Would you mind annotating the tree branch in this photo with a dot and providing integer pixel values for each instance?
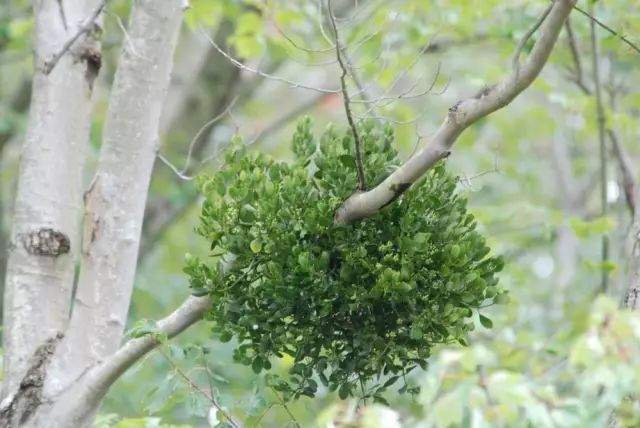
(362, 185)
(74, 405)
(187, 314)
(603, 149)
(608, 29)
(84, 28)
(460, 116)
(527, 36)
(578, 77)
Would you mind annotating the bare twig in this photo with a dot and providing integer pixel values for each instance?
(601, 24)
(85, 27)
(399, 77)
(63, 15)
(297, 45)
(125, 33)
(527, 36)
(603, 150)
(467, 180)
(182, 174)
(197, 388)
(578, 76)
(286, 408)
(259, 72)
(362, 185)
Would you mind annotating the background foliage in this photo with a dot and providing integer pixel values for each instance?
(558, 354)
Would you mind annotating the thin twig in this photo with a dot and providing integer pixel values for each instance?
(578, 76)
(263, 414)
(286, 408)
(259, 72)
(197, 388)
(204, 127)
(629, 184)
(295, 44)
(527, 36)
(85, 27)
(173, 168)
(362, 185)
(208, 372)
(603, 150)
(125, 33)
(63, 15)
(467, 180)
(399, 77)
(595, 20)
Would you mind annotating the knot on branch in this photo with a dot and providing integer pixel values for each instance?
(398, 190)
(93, 57)
(46, 242)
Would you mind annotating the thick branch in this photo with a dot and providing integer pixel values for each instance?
(460, 116)
(75, 405)
(190, 312)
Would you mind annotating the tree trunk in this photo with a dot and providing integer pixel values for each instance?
(44, 241)
(115, 201)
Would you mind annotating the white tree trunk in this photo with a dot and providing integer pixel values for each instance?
(115, 201)
(45, 237)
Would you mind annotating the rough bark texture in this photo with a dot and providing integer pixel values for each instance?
(114, 203)
(45, 237)
(19, 406)
(76, 406)
(460, 116)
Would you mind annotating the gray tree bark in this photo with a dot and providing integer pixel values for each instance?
(45, 242)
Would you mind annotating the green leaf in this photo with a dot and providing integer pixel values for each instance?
(256, 246)
(486, 322)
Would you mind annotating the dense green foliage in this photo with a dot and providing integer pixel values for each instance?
(358, 305)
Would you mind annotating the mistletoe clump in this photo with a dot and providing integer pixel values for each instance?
(355, 306)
